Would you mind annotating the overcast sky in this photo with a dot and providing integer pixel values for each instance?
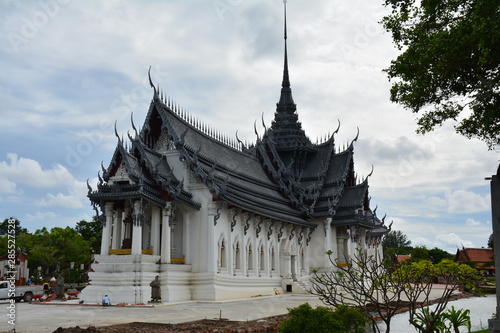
(70, 69)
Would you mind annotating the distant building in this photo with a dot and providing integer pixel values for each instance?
(482, 259)
(218, 219)
(20, 269)
(402, 257)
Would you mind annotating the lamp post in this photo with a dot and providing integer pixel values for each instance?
(494, 324)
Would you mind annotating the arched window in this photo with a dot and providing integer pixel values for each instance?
(237, 256)
(249, 257)
(261, 258)
(222, 254)
(302, 259)
(273, 258)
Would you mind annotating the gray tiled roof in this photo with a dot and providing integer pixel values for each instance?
(283, 176)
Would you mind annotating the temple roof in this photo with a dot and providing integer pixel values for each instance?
(283, 176)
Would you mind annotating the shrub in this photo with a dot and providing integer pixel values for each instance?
(305, 319)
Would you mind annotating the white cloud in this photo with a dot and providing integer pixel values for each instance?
(470, 221)
(7, 186)
(436, 202)
(61, 200)
(42, 216)
(27, 171)
(74, 199)
(462, 201)
(445, 240)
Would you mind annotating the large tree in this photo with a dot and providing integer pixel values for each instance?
(449, 68)
(54, 249)
(91, 233)
(396, 239)
(4, 227)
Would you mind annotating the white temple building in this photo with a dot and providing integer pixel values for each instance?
(216, 219)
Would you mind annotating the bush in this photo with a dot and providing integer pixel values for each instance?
(305, 319)
(353, 319)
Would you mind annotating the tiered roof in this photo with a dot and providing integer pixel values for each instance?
(283, 176)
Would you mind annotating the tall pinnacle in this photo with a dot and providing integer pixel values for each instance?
(286, 100)
(286, 129)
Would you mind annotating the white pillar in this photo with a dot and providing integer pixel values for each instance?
(165, 234)
(186, 240)
(146, 234)
(229, 244)
(137, 228)
(155, 229)
(327, 242)
(212, 247)
(106, 230)
(117, 230)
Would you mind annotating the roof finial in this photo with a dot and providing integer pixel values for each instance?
(286, 79)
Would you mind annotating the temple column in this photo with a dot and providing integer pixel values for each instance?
(117, 230)
(186, 245)
(138, 215)
(229, 246)
(106, 230)
(146, 234)
(334, 242)
(155, 230)
(327, 243)
(165, 234)
(212, 242)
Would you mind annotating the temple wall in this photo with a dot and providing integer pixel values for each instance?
(213, 253)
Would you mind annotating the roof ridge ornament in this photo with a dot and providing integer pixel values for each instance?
(116, 132)
(133, 125)
(155, 96)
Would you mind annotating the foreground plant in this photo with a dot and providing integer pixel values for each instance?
(305, 319)
(380, 289)
(420, 278)
(458, 318)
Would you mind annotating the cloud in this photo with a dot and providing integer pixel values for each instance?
(28, 171)
(462, 201)
(472, 222)
(74, 199)
(436, 202)
(41, 216)
(444, 240)
(7, 186)
(62, 200)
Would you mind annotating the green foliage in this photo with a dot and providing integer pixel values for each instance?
(449, 68)
(366, 282)
(4, 227)
(419, 253)
(429, 321)
(305, 319)
(395, 239)
(74, 275)
(50, 249)
(451, 320)
(353, 319)
(437, 255)
(458, 318)
(419, 278)
(91, 233)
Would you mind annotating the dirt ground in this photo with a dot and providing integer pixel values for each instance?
(269, 324)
